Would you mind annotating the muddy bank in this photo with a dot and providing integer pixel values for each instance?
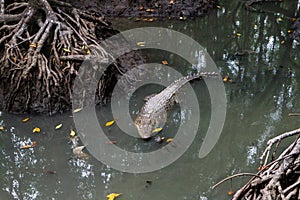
(148, 9)
(41, 50)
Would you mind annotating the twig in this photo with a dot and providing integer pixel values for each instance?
(275, 140)
(291, 186)
(294, 114)
(2, 8)
(233, 176)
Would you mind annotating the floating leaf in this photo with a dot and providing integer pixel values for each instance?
(112, 196)
(110, 123)
(171, 2)
(77, 110)
(164, 62)
(225, 79)
(58, 126)
(67, 50)
(282, 42)
(156, 130)
(72, 133)
(289, 31)
(111, 142)
(25, 119)
(1, 128)
(169, 140)
(294, 19)
(230, 192)
(219, 7)
(239, 34)
(255, 27)
(29, 145)
(181, 18)
(141, 44)
(25, 147)
(279, 19)
(34, 144)
(36, 130)
(78, 150)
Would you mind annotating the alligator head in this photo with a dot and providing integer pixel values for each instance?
(145, 125)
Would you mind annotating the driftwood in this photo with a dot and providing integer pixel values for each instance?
(278, 178)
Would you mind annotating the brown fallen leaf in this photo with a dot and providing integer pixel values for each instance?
(111, 142)
(164, 62)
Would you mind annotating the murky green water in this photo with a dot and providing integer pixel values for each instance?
(265, 91)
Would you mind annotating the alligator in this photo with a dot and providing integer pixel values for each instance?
(156, 105)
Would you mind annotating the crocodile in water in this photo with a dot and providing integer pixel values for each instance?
(156, 105)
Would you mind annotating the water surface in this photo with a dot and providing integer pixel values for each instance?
(252, 48)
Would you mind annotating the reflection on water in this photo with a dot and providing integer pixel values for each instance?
(252, 48)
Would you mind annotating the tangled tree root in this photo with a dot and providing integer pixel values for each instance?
(42, 45)
(278, 179)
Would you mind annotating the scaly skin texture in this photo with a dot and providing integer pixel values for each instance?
(154, 110)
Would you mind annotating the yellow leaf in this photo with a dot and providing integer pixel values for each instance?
(289, 31)
(32, 45)
(1, 128)
(36, 130)
(112, 196)
(282, 42)
(88, 52)
(239, 34)
(72, 133)
(25, 119)
(230, 192)
(141, 44)
(58, 126)
(25, 147)
(110, 123)
(225, 79)
(77, 110)
(181, 18)
(67, 50)
(84, 47)
(169, 140)
(279, 19)
(164, 62)
(156, 130)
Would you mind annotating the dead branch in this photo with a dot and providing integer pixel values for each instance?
(233, 176)
(278, 179)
